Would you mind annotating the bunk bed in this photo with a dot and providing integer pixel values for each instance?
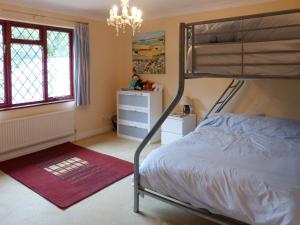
(262, 46)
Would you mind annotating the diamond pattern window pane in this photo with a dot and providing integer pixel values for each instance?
(58, 49)
(26, 73)
(25, 33)
(2, 97)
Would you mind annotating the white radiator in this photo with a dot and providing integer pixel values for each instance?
(29, 131)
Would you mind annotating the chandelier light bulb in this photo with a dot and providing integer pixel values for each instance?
(134, 11)
(115, 10)
(139, 14)
(125, 11)
(134, 19)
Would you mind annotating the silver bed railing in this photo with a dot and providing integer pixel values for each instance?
(184, 74)
(158, 124)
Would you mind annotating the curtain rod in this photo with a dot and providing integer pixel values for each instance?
(42, 16)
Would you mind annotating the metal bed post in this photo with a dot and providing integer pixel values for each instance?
(161, 120)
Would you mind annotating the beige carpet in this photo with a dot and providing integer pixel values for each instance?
(111, 206)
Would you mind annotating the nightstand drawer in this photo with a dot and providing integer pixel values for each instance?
(167, 137)
(180, 125)
(173, 125)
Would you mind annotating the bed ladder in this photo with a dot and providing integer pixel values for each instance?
(227, 95)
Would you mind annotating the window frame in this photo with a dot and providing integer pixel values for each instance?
(8, 41)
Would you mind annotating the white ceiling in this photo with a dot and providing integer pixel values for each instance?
(98, 9)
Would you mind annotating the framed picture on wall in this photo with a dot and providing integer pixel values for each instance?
(148, 53)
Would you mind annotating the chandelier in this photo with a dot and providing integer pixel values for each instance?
(121, 21)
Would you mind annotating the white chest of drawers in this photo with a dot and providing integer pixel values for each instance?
(176, 127)
(137, 112)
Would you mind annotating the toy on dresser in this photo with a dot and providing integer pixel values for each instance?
(157, 87)
(138, 84)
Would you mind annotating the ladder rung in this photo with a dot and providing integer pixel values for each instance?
(227, 95)
(235, 86)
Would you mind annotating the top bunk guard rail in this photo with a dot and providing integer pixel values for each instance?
(184, 46)
(258, 40)
(252, 16)
(249, 53)
(240, 42)
(253, 29)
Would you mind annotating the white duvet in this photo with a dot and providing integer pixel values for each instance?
(243, 167)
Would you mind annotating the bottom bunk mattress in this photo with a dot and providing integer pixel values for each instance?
(243, 167)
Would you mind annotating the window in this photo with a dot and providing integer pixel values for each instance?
(2, 99)
(36, 65)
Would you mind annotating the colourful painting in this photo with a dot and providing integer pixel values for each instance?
(148, 53)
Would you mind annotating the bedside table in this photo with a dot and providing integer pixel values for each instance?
(176, 127)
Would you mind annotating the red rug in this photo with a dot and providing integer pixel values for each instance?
(67, 173)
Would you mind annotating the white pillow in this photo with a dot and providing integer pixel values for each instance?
(241, 123)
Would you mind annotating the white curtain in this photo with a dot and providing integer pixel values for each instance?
(82, 64)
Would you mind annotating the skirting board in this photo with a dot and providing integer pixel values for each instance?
(39, 147)
(90, 133)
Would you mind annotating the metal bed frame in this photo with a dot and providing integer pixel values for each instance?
(231, 90)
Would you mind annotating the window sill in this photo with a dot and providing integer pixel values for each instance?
(35, 105)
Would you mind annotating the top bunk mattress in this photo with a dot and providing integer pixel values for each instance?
(279, 58)
(243, 167)
(268, 28)
(266, 46)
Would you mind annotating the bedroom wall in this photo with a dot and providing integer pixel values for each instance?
(92, 118)
(111, 70)
(277, 98)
